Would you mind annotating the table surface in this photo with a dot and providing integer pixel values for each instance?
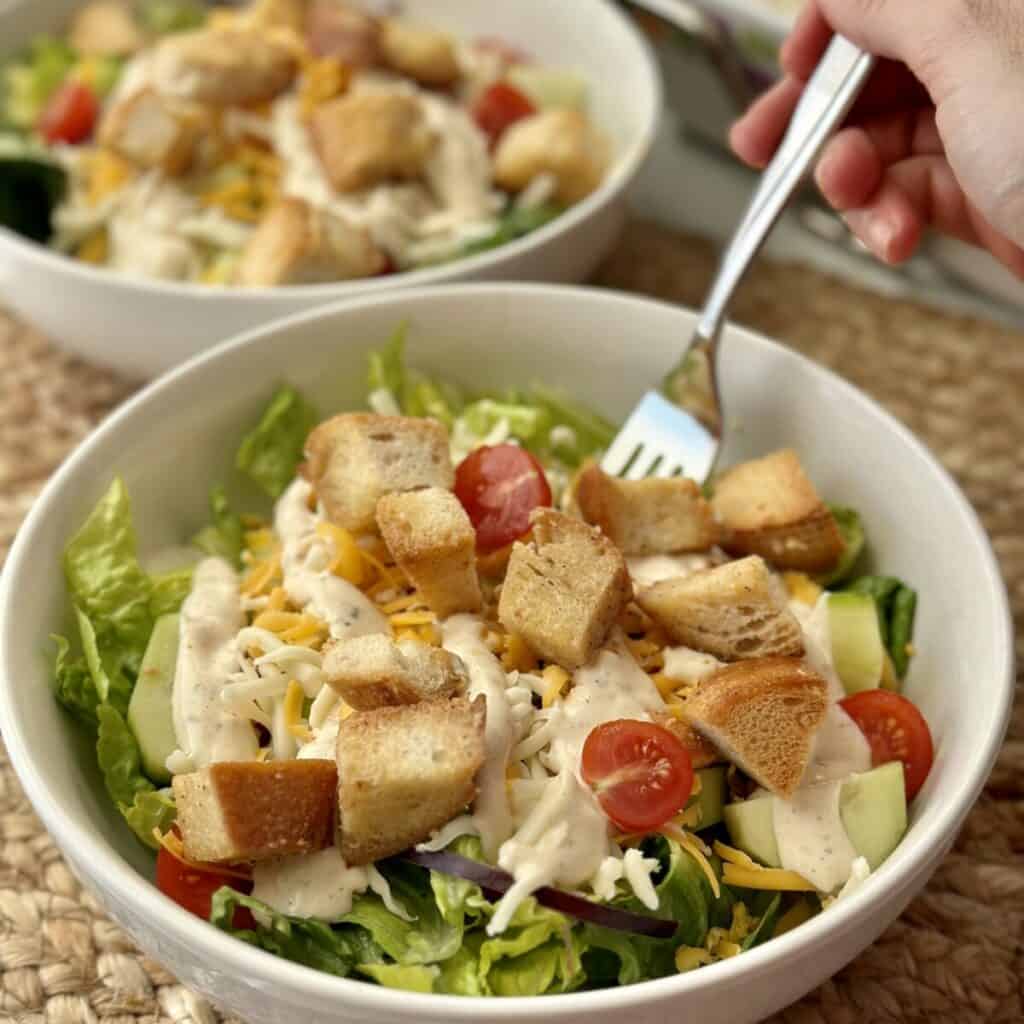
(957, 953)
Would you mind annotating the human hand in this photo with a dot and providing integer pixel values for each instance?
(937, 137)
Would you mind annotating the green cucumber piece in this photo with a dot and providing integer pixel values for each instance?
(150, 715)
(711, 798)
(872, 805)
(548, 88)
(858, 652)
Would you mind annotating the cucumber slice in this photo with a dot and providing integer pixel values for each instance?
(857, 649)
(149, 712)
(548, 87)
(711, 798)
(872, 805)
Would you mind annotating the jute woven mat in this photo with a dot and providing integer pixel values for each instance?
(956, 955)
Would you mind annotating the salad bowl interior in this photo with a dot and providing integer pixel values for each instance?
(163, 322)
(178, 437)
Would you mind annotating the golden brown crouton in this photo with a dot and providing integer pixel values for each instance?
(356, 458)
(105, 28)
(769, 507)
(421, 53)
(298, 244)
(373, 671)
(403, 772)
(565, 589)
(559, 142)
(646, 517)
(734, 611)
(336, 29)
(252, 810)
(152, 131)
(701, 750)
(431, 538)
(369, 137)
(227, 66)
(762, 715)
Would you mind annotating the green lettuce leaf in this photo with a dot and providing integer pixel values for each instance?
(305, 941)
(765, 906)
(75, 689)
(852, 530)
(412, 978)
(120, 761)
(105, 578)
(107, 668)
(514, 223)
(271, 452)
(460, 974)
(149, 810)
(386, 365)
(169, 592)
(225, 535)
(528, 423)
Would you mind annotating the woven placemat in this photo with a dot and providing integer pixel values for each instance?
(956, 955)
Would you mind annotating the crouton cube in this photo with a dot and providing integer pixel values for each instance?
(701, 750)
(421, 53)
(356, 458)
(226, 66)
(403, 772)
(374, 671)
(563, 590)
(152, 132)
(365, 138)
(252, 810)
(298, 244)
(734, 611)
(559, 142)
(338, 30)
(769, 507)
(646, 517)
(431, 538)
(762, 715)
(105, 28)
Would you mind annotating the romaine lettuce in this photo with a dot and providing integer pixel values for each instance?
(225, 535)
(74, 686)
(271, 452)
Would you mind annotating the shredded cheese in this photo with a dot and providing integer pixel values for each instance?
(556, 678)
(323, 79)
(95, 249)
(262, 575)
(793, 918)
(516, 655)
(689, 958)
(107, 173)
(401, 604)
(733, 856)
(348, 562)
(775, 879)
(696, 849)
(801, 587)
(293, 699)
(400, 619)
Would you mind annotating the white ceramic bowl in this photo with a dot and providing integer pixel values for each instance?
(176, 438)
(143, 327)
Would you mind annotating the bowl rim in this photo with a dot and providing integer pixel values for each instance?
(295, 981)
(621, 174)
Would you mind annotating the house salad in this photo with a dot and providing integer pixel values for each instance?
(284, 142)
(460, 713)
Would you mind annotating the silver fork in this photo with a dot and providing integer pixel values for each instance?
(678, 430)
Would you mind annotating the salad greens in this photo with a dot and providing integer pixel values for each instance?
(272, 451)
(896, 604)
(224, 536)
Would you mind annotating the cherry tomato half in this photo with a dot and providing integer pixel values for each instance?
(500, 106)
(193, 888)
(895, 731)
(70, 115)
(641, 773)
(499, 487)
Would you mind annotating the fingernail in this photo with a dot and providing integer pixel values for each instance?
(881, 235)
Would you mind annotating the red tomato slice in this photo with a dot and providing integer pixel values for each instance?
(896, 731)
(193, 888)
(498, 107)
(641, 773)
(499, 487)
(70, 115)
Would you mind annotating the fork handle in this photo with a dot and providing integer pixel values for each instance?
(825, 102)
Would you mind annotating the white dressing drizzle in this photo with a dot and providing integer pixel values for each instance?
(647, 570)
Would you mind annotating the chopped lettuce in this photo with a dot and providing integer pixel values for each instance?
(169, 592)
(514, 223)
(164, 16)
(765, 907)
(412, 978)
(271, 452)
(29, 82)
(151, 809)
(852, 530)
(225, 536)
(896, 604)
(74, 686)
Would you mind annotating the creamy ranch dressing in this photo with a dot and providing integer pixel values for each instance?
(211, 616)
(646, 570)
(688, 665)
(305, 556)
(463, 635)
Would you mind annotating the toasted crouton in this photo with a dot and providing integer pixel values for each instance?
(366, 138)
(769, 507)
(701, 750)
(251, 810)
(105, 28)
(374, 671)
(421, 53)
(298, 244)
(559, 142)
(336, 29)
(403, 772)
(356, 458)
(762, 715)
(646, 517)
(563, 590)
(434, 544)
(226, 66)
(152, 132)
(734, 611)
